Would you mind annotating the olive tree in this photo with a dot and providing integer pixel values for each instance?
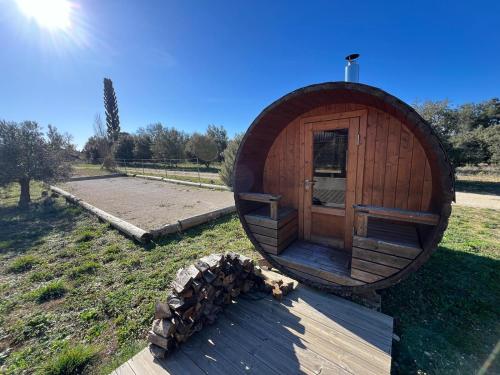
(27, 155)
(219, 135)
(203, 147)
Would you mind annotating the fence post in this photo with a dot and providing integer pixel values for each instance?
(166, 175)
(125, 163)
(142, 166)
(198, 169)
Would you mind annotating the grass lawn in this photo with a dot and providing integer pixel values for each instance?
(448, 313)
(83, 169)
(76, 294)
(66, 279)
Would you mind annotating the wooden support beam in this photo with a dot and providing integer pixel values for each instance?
(361, 224)
(274, 210)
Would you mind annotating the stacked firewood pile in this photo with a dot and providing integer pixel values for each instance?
(199, 292)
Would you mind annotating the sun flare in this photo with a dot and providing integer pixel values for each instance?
(51, 14)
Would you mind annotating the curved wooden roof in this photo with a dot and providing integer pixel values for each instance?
(252, 154)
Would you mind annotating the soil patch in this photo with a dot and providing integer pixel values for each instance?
(478, 200)
(148, 204)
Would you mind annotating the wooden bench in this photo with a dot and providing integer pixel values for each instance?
(274, 228)
(385, 240)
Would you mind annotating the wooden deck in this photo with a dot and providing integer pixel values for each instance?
(309, 332)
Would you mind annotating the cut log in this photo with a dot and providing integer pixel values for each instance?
(160, 341)
(163, 327)
(196, 285)
(157, 351)
(201, 265)
(218, 280)
(287, 287)
(188, 293)
(209, 276)
(247, 286)
(184, 278)
(277, 293)
(265, 263)
(213, 260)
(162, 311)
(178, 303)
(229, 279)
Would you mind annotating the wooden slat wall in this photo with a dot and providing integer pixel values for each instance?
(396, 170)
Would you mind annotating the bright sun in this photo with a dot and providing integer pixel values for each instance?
(52, 14)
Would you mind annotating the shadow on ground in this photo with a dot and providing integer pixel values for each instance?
(448, 315)
(478, 187)
(20, 229)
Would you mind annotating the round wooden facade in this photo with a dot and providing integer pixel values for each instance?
(343, 186)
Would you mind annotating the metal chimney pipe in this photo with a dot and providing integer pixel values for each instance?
(351, 73)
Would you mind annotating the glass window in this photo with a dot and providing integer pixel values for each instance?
(329, 168)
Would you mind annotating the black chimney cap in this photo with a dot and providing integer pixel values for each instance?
(352, 57)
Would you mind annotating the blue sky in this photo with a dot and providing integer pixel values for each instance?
(192, 63)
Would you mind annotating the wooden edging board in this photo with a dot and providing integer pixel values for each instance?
(191, 222)
(180, 182)
(140, 234)
(83, 178)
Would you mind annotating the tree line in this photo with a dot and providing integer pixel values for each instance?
(155, 141)
(470, 132)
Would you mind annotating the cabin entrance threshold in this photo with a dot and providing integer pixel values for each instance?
(323, 264)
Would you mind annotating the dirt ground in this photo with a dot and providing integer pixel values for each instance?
(478, 200)
(148, 204)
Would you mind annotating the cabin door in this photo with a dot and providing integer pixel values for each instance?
(331, 172)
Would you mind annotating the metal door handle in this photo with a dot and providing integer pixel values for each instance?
(308, 184)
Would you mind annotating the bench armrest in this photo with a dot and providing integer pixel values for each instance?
(271, 199)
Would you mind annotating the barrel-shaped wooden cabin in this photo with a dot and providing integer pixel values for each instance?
(343, 186)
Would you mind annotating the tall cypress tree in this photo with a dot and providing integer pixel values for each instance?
(111, 107)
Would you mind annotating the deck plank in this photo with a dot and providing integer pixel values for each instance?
(216, 353)
(144, 363)
(286, 341)
(325, 342)
(124, 369)
(308, 332)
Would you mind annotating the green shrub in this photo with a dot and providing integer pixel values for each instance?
(226, 170)
(85, 268)
(23, 263)
(72, 360)
(50, 291)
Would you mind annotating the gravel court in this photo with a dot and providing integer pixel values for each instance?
(148, 204)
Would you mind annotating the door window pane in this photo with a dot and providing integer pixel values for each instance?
(329, 167)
